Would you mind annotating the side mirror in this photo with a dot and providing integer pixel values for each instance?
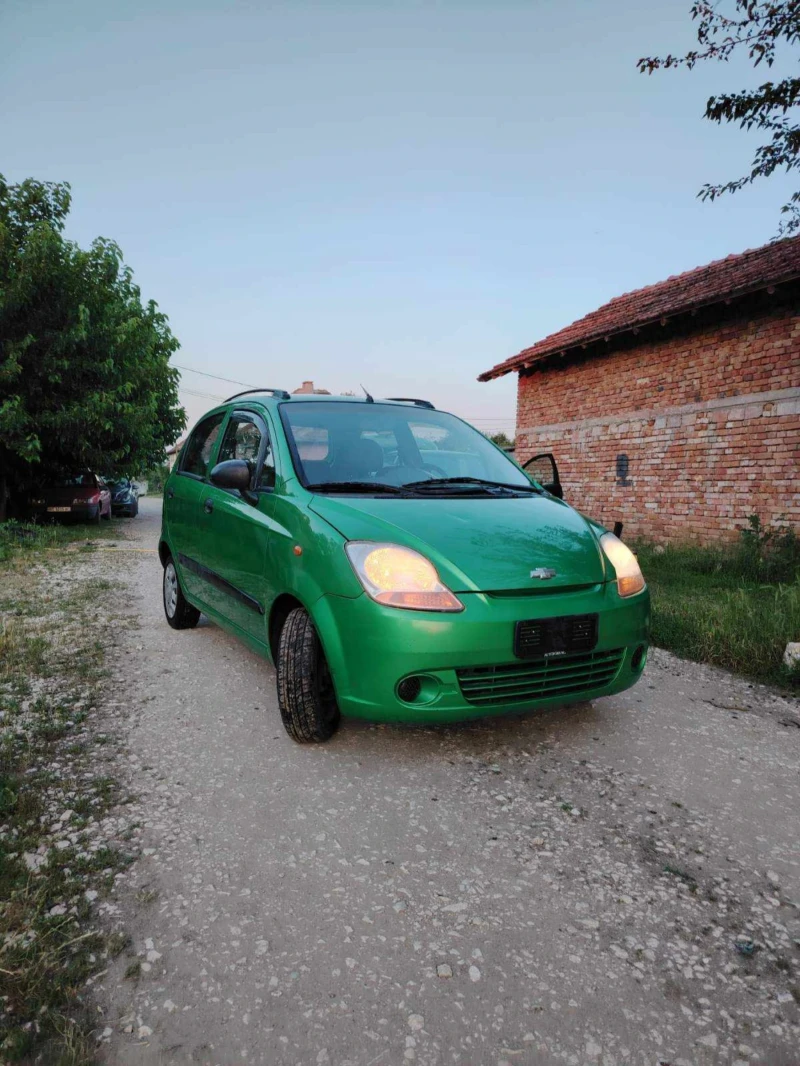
(232, 474)
(542, 468)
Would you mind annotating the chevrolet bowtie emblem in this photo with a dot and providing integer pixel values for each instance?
(544, 573)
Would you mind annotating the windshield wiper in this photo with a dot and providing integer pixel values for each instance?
(355, 486)
(443, 482)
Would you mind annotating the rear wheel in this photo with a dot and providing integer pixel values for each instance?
(306, 696)
(180, 613)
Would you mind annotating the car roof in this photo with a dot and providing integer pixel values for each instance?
(276, 397)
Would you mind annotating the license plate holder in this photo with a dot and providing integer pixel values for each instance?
(59, 508)
(543, 638)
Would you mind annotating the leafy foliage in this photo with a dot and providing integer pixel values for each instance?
(85, 380)
(501, 439)
(156, 478)
(756, 27)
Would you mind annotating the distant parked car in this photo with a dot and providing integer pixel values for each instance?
(83, 496)
(124, 497)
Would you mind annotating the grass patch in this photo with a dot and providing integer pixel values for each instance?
(25, 539)
(51, 868)
(735, 606)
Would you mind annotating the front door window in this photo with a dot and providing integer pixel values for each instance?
(245, 439)
(197, 453)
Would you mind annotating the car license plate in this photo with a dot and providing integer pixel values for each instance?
(59, 508)
(540, 638)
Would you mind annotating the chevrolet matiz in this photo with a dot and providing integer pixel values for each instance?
(394, 564)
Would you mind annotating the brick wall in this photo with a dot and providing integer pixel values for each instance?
(707, 414)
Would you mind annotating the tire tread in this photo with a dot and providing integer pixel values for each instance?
(299, 652)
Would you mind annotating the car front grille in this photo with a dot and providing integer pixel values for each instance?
(543, 679)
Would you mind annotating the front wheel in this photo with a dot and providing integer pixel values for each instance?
(180, 613)
(306, 696)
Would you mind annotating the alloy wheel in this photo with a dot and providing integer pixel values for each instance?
(170, 589)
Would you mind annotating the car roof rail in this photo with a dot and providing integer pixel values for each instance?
(410, 399)
(279, 394)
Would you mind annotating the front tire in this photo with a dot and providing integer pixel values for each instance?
(306, 695)
(179, 612)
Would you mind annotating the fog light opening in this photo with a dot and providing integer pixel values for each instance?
(419, 689)
(409, 689)
(639, 658)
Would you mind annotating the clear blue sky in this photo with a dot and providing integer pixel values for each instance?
(395, 193)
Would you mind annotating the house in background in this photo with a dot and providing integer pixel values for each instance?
(676, 408)
(174, 450)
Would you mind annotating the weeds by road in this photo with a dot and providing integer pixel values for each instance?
(29, 540)
(734, 606)
(58, 860)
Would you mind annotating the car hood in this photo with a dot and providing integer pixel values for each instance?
(479, 544)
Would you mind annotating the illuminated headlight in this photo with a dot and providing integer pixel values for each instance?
(399, 577)
(629, 577)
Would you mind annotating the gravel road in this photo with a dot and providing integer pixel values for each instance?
(609, 883)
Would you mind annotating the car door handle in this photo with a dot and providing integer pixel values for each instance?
(208, 506)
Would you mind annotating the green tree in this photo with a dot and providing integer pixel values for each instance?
(501, 439)
(85, 380)
(757, 27)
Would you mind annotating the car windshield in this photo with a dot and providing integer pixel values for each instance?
(357, 445)
(87, 480)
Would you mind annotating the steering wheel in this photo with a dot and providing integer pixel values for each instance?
(434, 469)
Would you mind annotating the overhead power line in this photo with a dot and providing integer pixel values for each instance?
(205, 374)
(194, 392)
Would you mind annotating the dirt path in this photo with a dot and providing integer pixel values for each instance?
(611, 883)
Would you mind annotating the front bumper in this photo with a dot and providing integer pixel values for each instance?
(371, 648)
(78, 512)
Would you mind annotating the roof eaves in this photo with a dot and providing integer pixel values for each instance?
(528, 357)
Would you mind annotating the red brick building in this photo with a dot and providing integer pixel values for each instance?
(675, 408)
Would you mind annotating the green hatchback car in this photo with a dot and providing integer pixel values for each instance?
(394, 564)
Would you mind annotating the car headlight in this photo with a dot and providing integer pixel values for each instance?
(630, 579)
(399, 577)
(80, 499)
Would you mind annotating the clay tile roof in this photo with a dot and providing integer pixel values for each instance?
(726, 278)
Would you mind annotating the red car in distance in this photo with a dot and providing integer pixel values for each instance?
(85, 497)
